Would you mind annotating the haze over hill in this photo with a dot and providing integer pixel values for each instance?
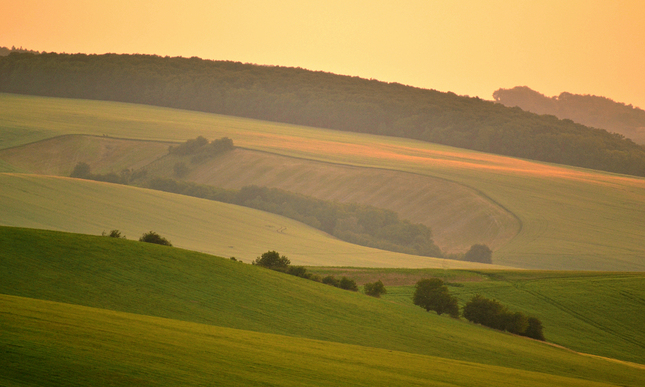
(318, 99)
(590, 110)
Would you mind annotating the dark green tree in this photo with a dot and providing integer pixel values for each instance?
(272, 260)
(432, 294)
(479, 253)
(331, 280)
(113, 234)
(153, 237)
(375, 289)
(484, 311)
(348, 284)
(534, 329)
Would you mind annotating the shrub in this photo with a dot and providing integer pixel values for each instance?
(273, 260)
(479, 253)
(153, 237)
(432, 294)
(375, 289)
(331, 280)
(348, 284)
(114, 234)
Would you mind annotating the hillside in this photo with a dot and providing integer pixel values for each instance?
(151, 280)
(317, 99)
(591, 312)
(589, 110)
(458, 215)
(90, 207)
(571, 218)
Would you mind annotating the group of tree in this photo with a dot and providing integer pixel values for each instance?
(491, 313)
(4, 51)
(590, 110)
(351, 222)
(433, 294)
(201, 149)
(274, 261)
(480, 253)
(319, 99)
(148, 237)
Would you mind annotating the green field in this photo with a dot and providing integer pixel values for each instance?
(67, 344)
(571, 218)
(73, 345)
(592, 312)
(91, 207)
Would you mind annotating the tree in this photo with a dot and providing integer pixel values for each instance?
(153, 237)
(180, 169)
(432, 294)
(534, 329)
(481, 310)
(331, 280)
(81, 170)
(348, 284)
(114, 234)
(375, 289)
(273, 260)
(479, 253)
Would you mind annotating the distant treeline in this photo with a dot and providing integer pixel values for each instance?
(355, 223)
(4, 51)
(590, 110)
(319, 99)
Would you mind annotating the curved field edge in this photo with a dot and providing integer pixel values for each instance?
(572, 218)
(49, 343)
(459, 216)
(154, 280)
(90, 207)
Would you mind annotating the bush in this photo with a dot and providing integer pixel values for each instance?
(273, 260)
(81, 170)
(432, 294)
(492, 314)
(331, 280)
(153, 237)
(114, 234)
(348, 284)
(479, 253)
(375, 289)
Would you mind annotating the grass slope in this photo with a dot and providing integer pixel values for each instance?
(572, 218)
(91, 207)
(599, 312)
(459, 216)
(53, 344)
(159, 281)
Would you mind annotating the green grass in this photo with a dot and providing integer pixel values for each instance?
(47, 343)
(91, 207)
(600, 313)
(572, 218)
(152, 280)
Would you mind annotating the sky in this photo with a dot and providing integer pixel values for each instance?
(469, 47)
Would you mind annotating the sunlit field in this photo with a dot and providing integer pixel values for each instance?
(125, 276)
(91, 207)
(571, 218)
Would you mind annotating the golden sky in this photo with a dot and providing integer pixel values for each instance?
(470, 47)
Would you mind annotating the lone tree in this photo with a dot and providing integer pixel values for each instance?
(273, 260)
(375, 289)
(479, 253)
(432, 294)
(348, 284)
(153, 237)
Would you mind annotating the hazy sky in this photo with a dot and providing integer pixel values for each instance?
(470, 47)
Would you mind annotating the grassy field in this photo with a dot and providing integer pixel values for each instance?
(91, 207)
(459, 216)
(70, 345)
(571, 218)
(150, 280)
(601, 313)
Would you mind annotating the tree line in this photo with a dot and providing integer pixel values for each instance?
(433, 294)
(319, 99)
(590, 110)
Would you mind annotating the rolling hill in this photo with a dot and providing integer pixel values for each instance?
(91, 207)
(122, 277)
(571, 218)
